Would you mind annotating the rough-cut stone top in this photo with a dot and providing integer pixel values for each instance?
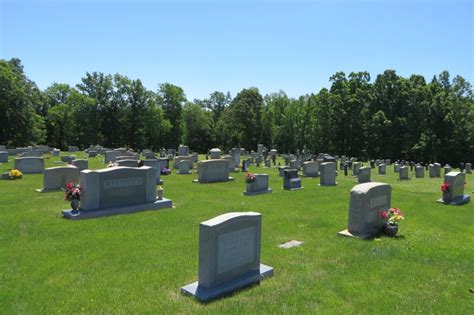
(215, 150)
(228, 216)
(364, 188)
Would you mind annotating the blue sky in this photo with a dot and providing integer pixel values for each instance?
(206, 46)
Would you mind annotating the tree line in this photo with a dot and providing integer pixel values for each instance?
(391, 117)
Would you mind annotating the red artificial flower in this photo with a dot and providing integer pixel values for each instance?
(444, 187)
(384, 215)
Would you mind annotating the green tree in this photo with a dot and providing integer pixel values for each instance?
(172, 98)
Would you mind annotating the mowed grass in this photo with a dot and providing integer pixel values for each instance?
(137, 263)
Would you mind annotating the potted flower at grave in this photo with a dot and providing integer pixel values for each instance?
(15, 174)
(165, 171)
(392, 216)
(73, 194)
(250, 179)
(445, 189)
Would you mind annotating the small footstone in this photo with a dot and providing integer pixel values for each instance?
(290, 244)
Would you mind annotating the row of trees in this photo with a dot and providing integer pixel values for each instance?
(393, 117)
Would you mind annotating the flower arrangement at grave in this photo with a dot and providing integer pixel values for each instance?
(15, 174)
(250, 178)
(445, 187)
(392, 217)
(73, 194)
(165, 171)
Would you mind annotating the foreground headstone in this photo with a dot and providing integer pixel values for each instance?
(454, 194)
(117, 190)
(260, 186)
(212, 171)
(229, 255)
(29, 165)
(366, 203)
(328, 174)
(56, 178)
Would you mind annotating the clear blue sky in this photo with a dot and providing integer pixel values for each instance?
(206, 46)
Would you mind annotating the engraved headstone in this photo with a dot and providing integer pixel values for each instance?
(328, 174)
(259, 186)
(291, 181)
(310, 169)
(366, 202)
(403, 173)
(420, 171)
(117, 190)
(211, 171)
(364, 175)
(229, 255)
(454, 195)
(382, 169)
(184, 167)
(55, 178)
(29, 165)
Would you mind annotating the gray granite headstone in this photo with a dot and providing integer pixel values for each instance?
(127, 162)
(366, 202)
(29, 165)
(117, 190)
(211, 171)
(3, 157)
(291, 181)
(455, 193)
(215, 153)
(55, 178)
(260, 186)
(229, 255)
(364, 175)
(281, 170)
(382, 169)
(420, 171)
(81, 164)
(183, 150)
(310, 169)
(158, 165)
(111, 156)
(355, 168)
(185, 167)
(437, 169)
(468, 168)
(328, 174)
(403, 173)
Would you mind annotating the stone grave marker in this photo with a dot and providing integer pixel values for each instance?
(3, 157)
(260, 186)
(382, 169)
(403, 173)
(366, 202)
(215, 153)
(29, 165)
(80, 164)
(454, 195)
(117, 190)
(212, 171)
(229, 255)
(127, 163)
(364, 175)
(157, 164)
(56, 178)
(420, 171)
(184, 167)
(310, 169)
(328, 174)
(291, 181)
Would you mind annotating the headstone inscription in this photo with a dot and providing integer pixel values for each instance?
(229, 255)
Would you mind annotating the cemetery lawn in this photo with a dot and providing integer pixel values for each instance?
(137, 263)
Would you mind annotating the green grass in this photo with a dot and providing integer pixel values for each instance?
(137, 263)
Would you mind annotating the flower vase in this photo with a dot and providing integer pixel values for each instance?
(75, 205)
(390, 230)
(159, 193)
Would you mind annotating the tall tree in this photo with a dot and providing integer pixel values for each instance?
(172, 98)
